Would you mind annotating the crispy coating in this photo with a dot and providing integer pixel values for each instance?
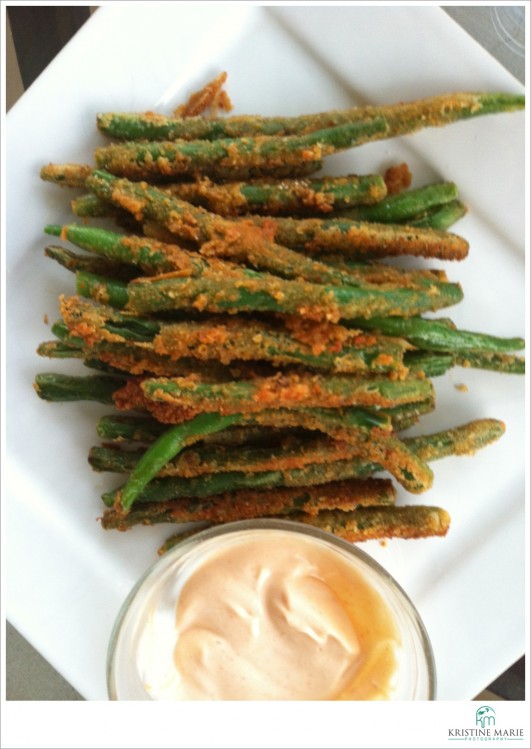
(371, 523)
(66, 175)
(402, 118)
(374, 272)
(246, 504)
(397, 178)
(288, 390)
(211, 96)
(287, 456)
(365, 239)
(280, 197)
(462, 440)
(319, 345)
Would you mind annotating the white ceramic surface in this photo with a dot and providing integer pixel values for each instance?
(66, 578)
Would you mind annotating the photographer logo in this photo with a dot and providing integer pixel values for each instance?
(485, 716)
(486, 729)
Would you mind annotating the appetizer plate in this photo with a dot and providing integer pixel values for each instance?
(66, 577)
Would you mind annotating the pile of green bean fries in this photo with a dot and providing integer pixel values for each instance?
(262, 355)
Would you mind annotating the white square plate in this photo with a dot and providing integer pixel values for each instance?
(66, 577)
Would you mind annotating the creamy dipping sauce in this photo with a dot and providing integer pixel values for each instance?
(266, 615)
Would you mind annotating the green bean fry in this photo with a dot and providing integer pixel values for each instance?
(252, 325)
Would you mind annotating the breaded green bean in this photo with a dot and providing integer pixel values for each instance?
(365, 428)
(404, 205)
(287, 390)
(282, 197)
(295, 452)
(67, 175)
(362, 239)
(402, 118)
(243, 290)
(152, 256)
(355, 526)
(251, 503)
(209, 485)
(371, 523)
(438, 335)
(55, 387)
(232, 158)
(318, 346)
(260, 240)
(440, 217)
(506, 363)
(90, 264)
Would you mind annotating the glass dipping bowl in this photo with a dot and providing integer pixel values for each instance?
(414, 677)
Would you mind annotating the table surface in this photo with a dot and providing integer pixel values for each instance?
(29, 51)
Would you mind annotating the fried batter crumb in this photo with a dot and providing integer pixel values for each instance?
(212, 96)
(397, 178)
(321, 336)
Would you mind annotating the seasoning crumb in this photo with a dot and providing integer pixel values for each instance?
(461, 387)
(212, 96)
(45, 319)
(397, 178)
